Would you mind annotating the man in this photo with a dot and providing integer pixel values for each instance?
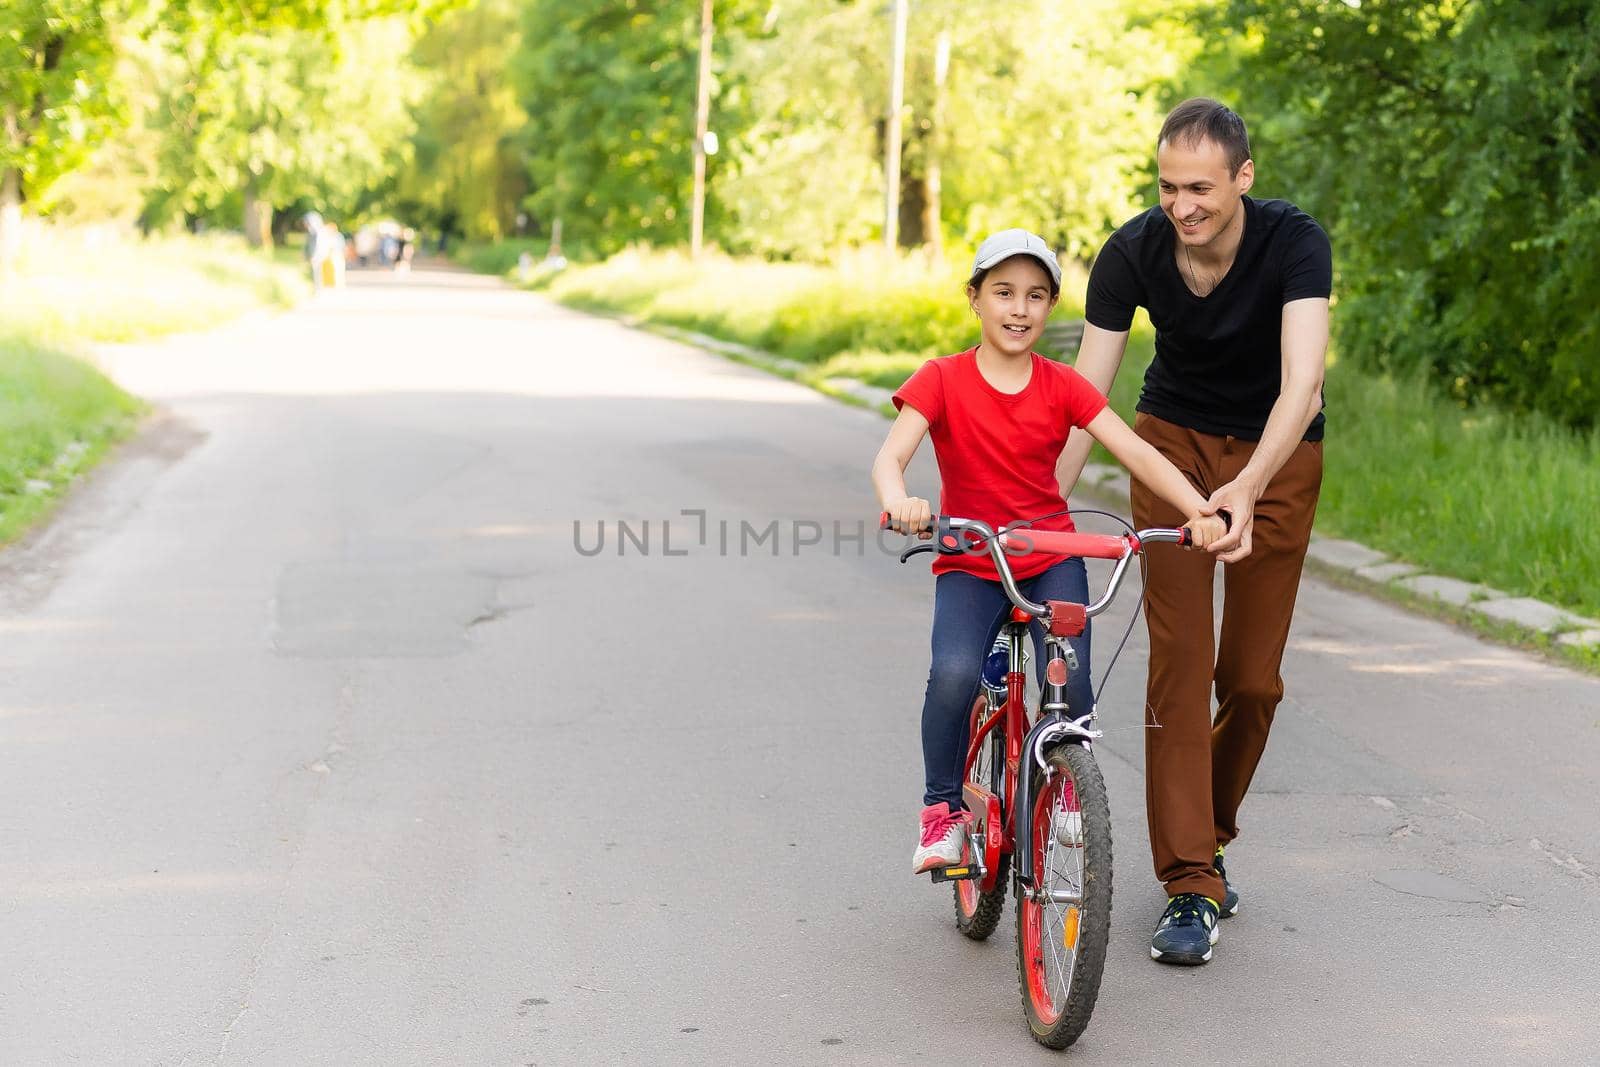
(1238, 292)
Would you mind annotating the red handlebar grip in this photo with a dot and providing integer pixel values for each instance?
(883, 520)
(1187, 540)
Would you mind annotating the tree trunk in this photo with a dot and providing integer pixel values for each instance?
(10, 198)
(257, 220)
(10, 217)
(932, 231)
(912, 210)
(932, 178)
(891, 134)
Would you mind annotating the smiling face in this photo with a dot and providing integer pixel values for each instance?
(1200, 198)
(1012, 301)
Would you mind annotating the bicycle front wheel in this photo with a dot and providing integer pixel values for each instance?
(1064, 922)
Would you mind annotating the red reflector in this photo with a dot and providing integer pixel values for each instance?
(1056, 672)
(1067, 619)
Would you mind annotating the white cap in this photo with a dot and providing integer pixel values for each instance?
(999, 247)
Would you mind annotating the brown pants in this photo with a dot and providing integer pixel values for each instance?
(1197, 772)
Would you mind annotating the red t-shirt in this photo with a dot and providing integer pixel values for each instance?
(997, 451)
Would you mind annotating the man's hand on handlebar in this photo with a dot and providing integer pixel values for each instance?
(910, 514)
(1239, 498)
(1205, 529)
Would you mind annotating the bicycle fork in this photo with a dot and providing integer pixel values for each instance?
(1055, 726)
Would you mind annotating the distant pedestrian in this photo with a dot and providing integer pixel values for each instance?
(333, 246)
(408, 249)
(318, 248)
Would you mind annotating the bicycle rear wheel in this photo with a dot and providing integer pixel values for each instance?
(977, 912)
(1064, 923)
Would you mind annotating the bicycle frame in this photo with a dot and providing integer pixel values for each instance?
(1011, 718)
(1025, 746)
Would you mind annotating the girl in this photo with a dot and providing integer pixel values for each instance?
(1000, 414)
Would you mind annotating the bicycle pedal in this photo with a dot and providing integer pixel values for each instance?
(969, 871)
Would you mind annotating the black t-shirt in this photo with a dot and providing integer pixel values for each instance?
(1219, 361)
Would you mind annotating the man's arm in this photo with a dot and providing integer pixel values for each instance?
(1305, 349)
(1099, 358)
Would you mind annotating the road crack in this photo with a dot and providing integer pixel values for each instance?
(334, 746)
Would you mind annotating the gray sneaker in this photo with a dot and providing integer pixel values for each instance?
(1230, 900)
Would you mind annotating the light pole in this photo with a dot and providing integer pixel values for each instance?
(891, 155)
(702, 116)
(932, 226)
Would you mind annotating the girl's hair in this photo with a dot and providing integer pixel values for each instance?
(976, 281)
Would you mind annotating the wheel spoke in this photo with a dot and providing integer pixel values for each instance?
(1059, 985)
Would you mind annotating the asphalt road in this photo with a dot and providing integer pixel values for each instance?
(323, 741)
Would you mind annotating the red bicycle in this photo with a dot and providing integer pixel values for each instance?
(1057, 851)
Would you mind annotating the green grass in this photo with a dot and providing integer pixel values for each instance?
(498, 257)
(1478, 494)
(89, 286)
(864, 306)
(58, 414)
(1509, 501)
(1475, 494)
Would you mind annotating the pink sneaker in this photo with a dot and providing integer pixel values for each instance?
(944, 838)
(1069, 818)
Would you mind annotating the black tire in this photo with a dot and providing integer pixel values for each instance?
(978, 913)
(1058, 1010)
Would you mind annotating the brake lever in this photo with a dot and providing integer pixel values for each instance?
(914, 549)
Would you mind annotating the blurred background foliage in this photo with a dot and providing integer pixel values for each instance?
(1451, 147)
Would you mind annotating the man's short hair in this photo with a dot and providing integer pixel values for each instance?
(1203, 119)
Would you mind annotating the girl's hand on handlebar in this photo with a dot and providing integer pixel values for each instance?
(911, 514)
(1205, 529)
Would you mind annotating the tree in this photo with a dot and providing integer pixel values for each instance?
(273, 118)
(468, 161)
(804, 174)
(1047, 120)
(609, 90)
(54, 100)
(1053, 111)
(1453, 148)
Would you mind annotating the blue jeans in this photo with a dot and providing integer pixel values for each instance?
(967, 614)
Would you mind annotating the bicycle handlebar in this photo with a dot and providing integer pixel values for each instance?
(953, 536)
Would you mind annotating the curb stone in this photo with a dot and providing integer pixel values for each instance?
(1580, 639)
(1450, 590)
(1376, 568)
(1345, 555)
(787, 367)
(1387, 572)
(1367, 565)
(1525, 611)
(1105, 480)
(871, 395)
